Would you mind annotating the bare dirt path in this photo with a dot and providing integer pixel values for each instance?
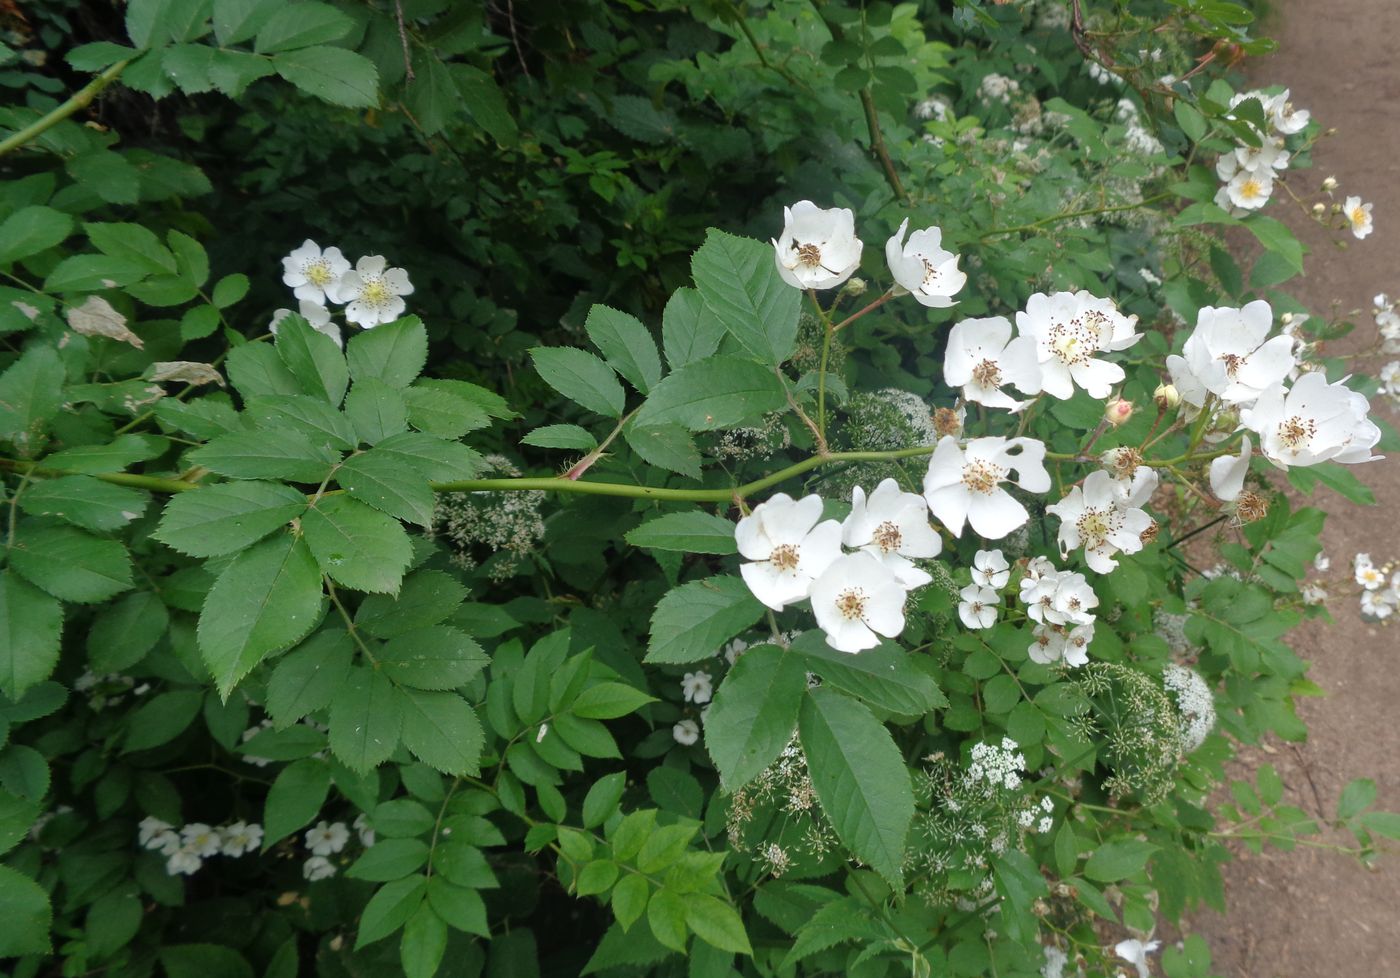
(1312, 913)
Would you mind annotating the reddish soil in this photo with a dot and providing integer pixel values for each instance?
(1314, 913)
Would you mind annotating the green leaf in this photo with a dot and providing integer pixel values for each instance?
(754, 713)
(70, 564)
(357, 546)
(718, 392)
(295, 799)
(256, 368)
(389, 859)
(569, 436)
(24, 906)
(423, 944)
(124, 631)
(313, 358)
(266, 600)
(311, 416)
(689, 330)
(376, 409)
(389, 908)
(31, 230)
(31, 624)
(333, 75)
(692, 621)
(627, 346)
(666, 913)
(717, 923)
(307, 678)
(390, 483)
(394, 353)
(1276, 237)
(238, 20)
(300, 25)
(1356, 797)
(31, 392)
(286, 454)
(435, 657)
(132, 243)
(694, 532)
(462, 908)
(203, 961)
(426, 598)
(439, 460)
(443, 731)
(1118, 859)
(443, 412)
(228, 517)
(366, 719)
(485, 102)
(581, 377)
(667, 445)
(113, 921)
(885, 676)
(431, 95)
(860, 779)
(85, 502)
(603, 798)
(629, 900)
(607, 701)
(162, 718)
(739, 283)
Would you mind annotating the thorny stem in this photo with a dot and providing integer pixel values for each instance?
(79, 100)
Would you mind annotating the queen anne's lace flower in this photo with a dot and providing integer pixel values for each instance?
(964, 485)
(893, 526)
(1069, 330)
(818, 248)
(856, 600)
(1094, 518)
(1312, 422)
(312, 273)
(786, 548)
(922, 267)
(982, 358)
(372, 293)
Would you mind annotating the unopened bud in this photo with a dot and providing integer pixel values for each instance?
(1336, 208)
(1166, 396)
(947, 421)
(1330, 184)
(856, 286)
(1319, 208)
(1118, 411)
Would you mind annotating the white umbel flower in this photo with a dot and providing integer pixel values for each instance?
(697, 687)
(1228, 471)
(1092, 517)
(978, 607)
(818, 248)
(922, 267)
(1358, 216)
(686, 732)
(312, 273)
(893, 526)
(327, 838)
(982, 358)
(1230, 354)
(372, 293)
(240, 837)
(964, 485)
(856, 600)
(317, 315)
(1312, 422)
(786, 548)
(990, 569)
(1069, 330)
(1135, 952)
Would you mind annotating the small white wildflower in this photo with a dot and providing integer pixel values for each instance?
(327, 838)
(240, 837)
(697, 687)
(686, 732)
(317, 868)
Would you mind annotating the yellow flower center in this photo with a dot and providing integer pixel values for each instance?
(375, 293)
(1251, 189)
(318, 272)
(784, 557)
(851, 604)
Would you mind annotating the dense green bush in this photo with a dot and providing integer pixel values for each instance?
(423, 626)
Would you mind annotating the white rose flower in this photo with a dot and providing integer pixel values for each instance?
(1077, 639)
(1358, 215)
(1368, 575)
(964, 485)
(240, 837)
(893, 526)
(151, 829)
(1092, 517)
(686, 732)
(1311, 422)
(786, 548)
(1047, 644)
(1135, 952)
(697, 687)
(1283, 116)
(1228, 471)
(183, 861)
(312, 272)
(990, 569)
(856, 600)
(1230, 355)
(317, 315)
(317, 868)
(201, 839)
(978, 607)
(818, 248)
(981, 358)
(327, 838)
(372, 293)
(1250, 189)
(1069, 329)
(363, 829)
(922, 267)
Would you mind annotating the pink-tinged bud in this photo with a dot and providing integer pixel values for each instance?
(1118, 411)
(1166, 396)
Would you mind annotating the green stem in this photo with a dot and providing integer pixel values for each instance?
(1053, 218)
(80, 99)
